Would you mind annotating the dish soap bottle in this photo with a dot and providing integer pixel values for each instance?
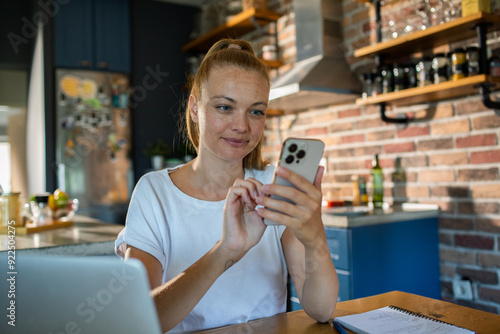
(377, 183)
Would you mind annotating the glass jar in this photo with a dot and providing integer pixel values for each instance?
(411, 75)
(377, 84)
(459, 64)
(472, 57)
(440, 68)
(42, 214)
(367, 85)
(495, 66)
(424, 71)
(398, 72)
(387, 80)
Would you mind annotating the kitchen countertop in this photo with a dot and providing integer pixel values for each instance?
(90, 236)
(404, 212)
(87, 236)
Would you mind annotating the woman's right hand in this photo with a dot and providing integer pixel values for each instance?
(243, 226)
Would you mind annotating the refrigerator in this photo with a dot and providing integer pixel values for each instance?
(93, 141)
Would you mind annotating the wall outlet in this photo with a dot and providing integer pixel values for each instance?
(462, 289)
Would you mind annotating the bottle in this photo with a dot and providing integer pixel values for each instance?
(355, 190)
(377, 183)
(363, 194)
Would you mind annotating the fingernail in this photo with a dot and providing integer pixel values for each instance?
(258, 200)
(265, 188)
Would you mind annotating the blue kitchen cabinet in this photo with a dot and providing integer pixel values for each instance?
(93, 35)
(376, 258)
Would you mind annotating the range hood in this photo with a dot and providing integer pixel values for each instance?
(321, 75)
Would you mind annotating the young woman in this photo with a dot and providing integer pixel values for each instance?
(199, 229)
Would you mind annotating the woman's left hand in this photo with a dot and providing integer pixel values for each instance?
(303, 217)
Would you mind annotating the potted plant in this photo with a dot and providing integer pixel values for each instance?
(157, 152)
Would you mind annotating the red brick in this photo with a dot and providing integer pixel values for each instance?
(401, 147)
(470, 208)
(474, 241)
(371, 123)
(456, 126)
(414, 161)
(316, 131)
(456, 256)
(489, 294)
(367, 150)
(436, 176)
(469, 107)
(417, 191)
(477, 140)
(485, 191)
(340, 126)
(381, 135)
(324, 118)
(488, 260)
(483, 276)
(462, 224)
(486, 122)
(488, 225)
(349, 113)
(459, 158)
(352, 139)
(413, 131)
(485, 157)
(449, 191)
(435, 144)
(489, 174)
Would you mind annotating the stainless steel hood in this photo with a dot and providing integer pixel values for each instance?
(321, 75)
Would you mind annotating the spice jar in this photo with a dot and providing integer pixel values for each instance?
(459, 64)
(495, 66)
(377, 84)
(367, 85)
(387, 80)
(398, 72)
(424, 71)
(411, 75)
(472, 56)
(440, 68)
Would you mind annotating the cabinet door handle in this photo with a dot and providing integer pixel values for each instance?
(102, 65)
(85, 63)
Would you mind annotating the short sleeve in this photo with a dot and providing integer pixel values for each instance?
(145, 222)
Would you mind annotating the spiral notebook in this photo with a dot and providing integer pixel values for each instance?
(393, 319)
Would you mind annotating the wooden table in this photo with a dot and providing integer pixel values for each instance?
(299, 323)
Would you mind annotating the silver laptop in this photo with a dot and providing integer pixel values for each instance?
(58, 294)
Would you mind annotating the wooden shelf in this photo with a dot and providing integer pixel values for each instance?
(444, 90)
(238, 26)
(449, 32)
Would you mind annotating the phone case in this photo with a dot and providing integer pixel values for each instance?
(301, 156)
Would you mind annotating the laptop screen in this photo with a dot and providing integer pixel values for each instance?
(59, 294)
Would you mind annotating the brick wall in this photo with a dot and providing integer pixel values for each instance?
(451, 157)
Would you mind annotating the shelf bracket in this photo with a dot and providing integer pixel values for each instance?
(484, 88)
(400, 120)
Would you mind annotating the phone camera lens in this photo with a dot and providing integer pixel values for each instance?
(292, 148)
(289, 159)
(301, 154)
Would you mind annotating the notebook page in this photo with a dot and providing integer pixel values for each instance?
(388, 321)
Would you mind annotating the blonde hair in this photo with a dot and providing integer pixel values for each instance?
(227, 52)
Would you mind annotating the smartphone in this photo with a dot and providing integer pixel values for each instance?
(301, 156)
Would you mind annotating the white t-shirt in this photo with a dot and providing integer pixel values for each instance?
(178, 229)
